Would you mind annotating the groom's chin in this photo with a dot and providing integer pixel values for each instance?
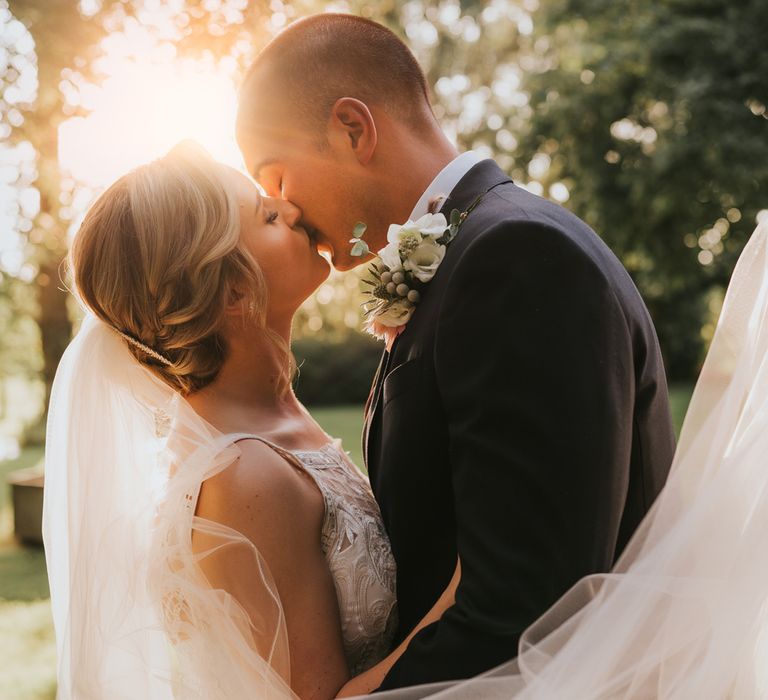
(340, 261)
(346, 262)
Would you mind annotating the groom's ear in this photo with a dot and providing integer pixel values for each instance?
(351, 128)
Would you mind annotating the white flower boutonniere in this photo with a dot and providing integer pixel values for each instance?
(413, 253)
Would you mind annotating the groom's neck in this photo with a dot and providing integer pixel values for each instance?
(413, 162)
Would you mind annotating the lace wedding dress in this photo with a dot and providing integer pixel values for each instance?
(357, 550)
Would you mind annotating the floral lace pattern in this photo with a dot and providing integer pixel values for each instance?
(356, 548)
(358, 553)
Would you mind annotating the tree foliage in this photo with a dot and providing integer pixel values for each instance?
(654, 117)
(648, 118)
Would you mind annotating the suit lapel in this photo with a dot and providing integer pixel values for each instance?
(483, 177)
(372, 408)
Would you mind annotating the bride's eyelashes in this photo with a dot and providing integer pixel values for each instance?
(271, 217)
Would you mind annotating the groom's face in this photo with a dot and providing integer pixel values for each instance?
(294, 164)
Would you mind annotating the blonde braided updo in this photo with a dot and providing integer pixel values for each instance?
(159, 258)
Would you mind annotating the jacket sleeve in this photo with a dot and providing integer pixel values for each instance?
(533, 359)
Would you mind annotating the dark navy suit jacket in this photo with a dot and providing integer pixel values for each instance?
(521, 421)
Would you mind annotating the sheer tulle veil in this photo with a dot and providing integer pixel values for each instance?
(133, 612)
(684, 614)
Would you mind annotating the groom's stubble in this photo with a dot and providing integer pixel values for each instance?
(300, 144)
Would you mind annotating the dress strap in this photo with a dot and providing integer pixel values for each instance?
(237, 437)
(287, 455)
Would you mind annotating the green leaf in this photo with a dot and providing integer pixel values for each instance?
(455, 217)
(359, 229)
(360, 249)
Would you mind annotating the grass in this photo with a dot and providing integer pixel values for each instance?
(679, 398)
(345, 423)
(27, 646)
(27, 650)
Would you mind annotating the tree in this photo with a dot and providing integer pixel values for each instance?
(653, 117)
(59, 32)
(66, 37)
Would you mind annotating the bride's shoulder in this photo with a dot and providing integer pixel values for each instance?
(259, 487)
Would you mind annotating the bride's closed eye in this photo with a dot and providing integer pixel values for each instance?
(271, 217)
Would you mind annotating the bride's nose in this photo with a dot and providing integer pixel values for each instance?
(291, 213)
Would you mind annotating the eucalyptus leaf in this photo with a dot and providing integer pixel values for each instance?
(359, 229)
(360, 249)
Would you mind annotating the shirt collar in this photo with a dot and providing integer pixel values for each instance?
(445, 181)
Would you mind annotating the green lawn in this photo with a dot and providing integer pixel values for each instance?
(346, 423)
(679, 398)
(27, 671)
(27, 648)
(28, 651)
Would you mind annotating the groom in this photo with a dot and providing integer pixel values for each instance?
(521, 419)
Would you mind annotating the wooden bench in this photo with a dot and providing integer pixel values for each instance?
(27, 498)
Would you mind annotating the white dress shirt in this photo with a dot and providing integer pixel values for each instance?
(445, 181)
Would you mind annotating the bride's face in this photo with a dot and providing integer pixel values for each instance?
(288, 257)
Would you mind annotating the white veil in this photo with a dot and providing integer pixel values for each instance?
(134, 614)
(684, 614)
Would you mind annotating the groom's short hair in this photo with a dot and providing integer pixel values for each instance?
(321, 58)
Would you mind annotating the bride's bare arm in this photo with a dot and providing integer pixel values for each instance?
(280, 511)
(371, 679)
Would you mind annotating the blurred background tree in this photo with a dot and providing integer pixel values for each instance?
(647, 119)
(651, 118)
(51, 36)
(62, 41)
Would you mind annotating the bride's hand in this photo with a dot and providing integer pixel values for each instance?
(372, 678)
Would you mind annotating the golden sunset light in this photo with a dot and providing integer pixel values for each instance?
(142, 110)
(149, 100)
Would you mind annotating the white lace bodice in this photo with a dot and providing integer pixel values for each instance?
(357, 550)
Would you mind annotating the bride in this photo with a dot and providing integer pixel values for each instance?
(205, 538)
